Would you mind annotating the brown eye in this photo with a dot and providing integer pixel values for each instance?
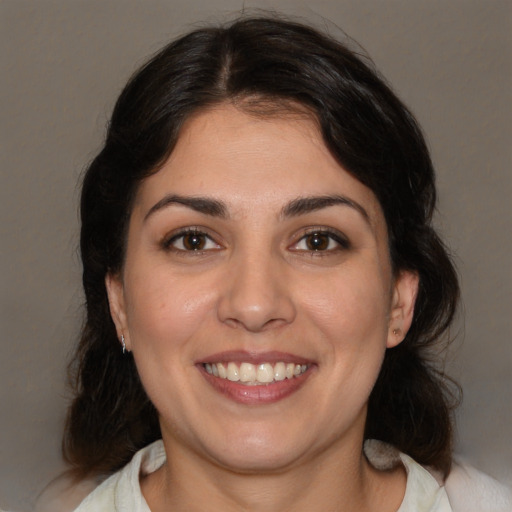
(194, 242)
(191, 241)
(322, 241)
(317, 241)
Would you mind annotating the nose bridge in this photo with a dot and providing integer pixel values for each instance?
(256, 296)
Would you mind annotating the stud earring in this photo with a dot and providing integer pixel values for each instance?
(396, 332)
(123, 343)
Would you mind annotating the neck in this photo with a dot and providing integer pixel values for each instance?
(335, 480)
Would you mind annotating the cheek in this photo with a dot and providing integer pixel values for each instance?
(164, 310)
(166, 316)
(351, 312)
(350, 307)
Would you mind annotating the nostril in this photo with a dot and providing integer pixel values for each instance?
(272, 315)
(273, 323)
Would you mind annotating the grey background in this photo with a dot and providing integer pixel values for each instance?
(63, 64)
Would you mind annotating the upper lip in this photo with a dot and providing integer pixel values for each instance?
(254, 357)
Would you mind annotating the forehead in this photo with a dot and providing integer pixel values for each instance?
(240, 158)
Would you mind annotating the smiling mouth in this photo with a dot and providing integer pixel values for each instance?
(255, 374)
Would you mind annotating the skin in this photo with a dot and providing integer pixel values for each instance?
(256, 285)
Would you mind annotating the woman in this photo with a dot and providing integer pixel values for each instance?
(264, 287)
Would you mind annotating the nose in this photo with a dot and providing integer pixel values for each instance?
(256, 295)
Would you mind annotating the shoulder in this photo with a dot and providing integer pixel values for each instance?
(64, 494)
(465, 490)
(423, 493)
(103, 498)
(470, 490)
(120, 491)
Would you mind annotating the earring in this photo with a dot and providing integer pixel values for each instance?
(396, 332)
(123, 343)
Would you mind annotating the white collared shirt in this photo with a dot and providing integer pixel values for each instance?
(121, 492)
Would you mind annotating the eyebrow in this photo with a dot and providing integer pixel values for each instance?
(303, 205)
(295, 208)
(204, 205)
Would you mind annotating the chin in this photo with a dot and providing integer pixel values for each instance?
(250, 460)
(261, 451)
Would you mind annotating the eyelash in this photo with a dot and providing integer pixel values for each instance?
(168, 242)
(332, 236)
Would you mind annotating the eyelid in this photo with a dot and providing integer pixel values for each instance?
(170, 238)
(337, 236)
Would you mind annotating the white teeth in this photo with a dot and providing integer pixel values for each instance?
(223, 373)
(265, 373)
(247, 372)
(251, 374)
(279, 371)
(233, 373)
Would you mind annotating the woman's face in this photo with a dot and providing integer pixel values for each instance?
(257, 294)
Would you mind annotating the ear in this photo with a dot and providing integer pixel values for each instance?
(405, 291)
(115, 292)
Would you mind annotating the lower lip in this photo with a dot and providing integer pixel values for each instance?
(257, 394)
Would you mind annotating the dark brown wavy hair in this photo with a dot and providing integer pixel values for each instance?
(259, 64)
